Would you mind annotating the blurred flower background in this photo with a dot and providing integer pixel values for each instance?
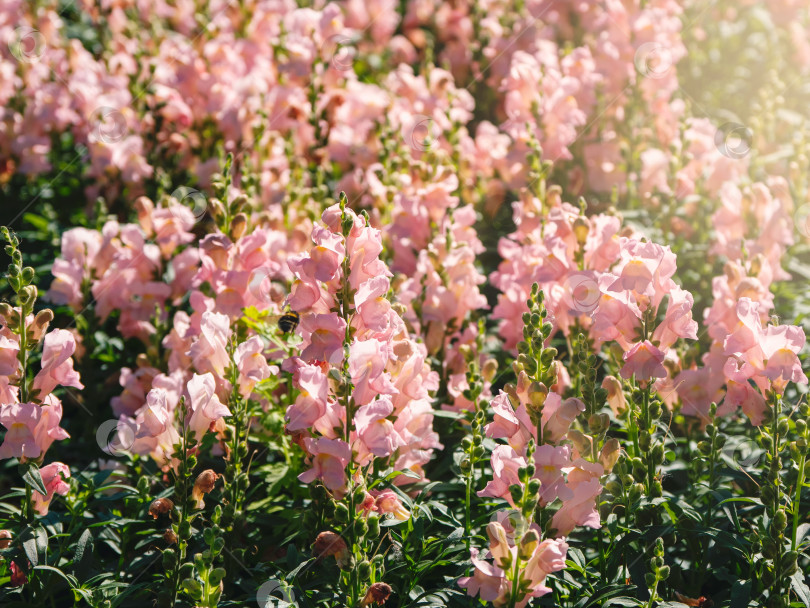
(413, 303)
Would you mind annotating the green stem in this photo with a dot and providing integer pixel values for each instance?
(797, 501)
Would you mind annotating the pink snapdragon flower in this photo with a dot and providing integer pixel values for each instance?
(329, 458)
(30, 429)
(644, 361)
(57, 365)
(207, 411)
(209, 353)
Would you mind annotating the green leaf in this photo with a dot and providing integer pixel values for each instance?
(800, 587)
(32, 478)
(740, 594)
(85, 540)
(29, 545)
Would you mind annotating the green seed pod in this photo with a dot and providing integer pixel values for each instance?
(663, 573)
(649, 578)
(184, 529)
(219, 545)
(534, 486)
(658, 452)
(655, 411)
(169, 559)
(216, 575)
(341, 513)
(373, 527)
(780, 520)
(720, 441)
(364, 570)
(614, 487)
(783, 427)
(656, 491)
(769, 548)
(704, 447)
(516, 492)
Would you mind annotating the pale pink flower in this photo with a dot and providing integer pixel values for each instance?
(209, 353)
(323, 336)
(580, 508)
(375, 431)
(207, 411)
(644, 361)
(329, 458)
(30, 429)
(310, 405)
(252, 364)
(57, 366)
(367, 361)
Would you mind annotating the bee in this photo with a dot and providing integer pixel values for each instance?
(289, 321)
(701, 602)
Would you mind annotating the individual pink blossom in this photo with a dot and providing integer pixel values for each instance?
(367, 360)
(210, 353)
(207, 411)
(57, 365)
(329, 460)
(30, 429)
(644, 361)
(310, 405)
(387, 501)
(580, 508)
(375, 431)
(323, 336)
(53, 476)
(252, 364)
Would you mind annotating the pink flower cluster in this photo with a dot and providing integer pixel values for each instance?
(391, 412)
(33, 425)
(596, 278)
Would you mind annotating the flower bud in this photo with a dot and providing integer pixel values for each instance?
(489, 369)
(615, 394)
(377, 594)
(160, 506)
(582, 227)
(5, 539)
(528, 544)
(203, 485)
(238, 226)
(329, 544)
(609, 454)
